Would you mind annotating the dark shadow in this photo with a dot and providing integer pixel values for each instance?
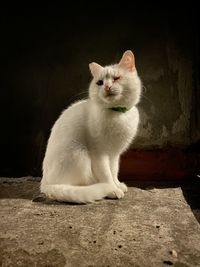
(19, 188)
(44, 200)
(191, 192)
(27, 188)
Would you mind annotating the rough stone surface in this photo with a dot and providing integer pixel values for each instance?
(149, 227)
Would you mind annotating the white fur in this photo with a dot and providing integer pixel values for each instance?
(82, 157)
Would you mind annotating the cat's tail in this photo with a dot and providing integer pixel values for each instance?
(77, 194)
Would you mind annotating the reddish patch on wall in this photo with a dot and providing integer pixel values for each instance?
(162, 165)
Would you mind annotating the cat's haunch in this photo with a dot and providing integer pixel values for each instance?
(81, 162)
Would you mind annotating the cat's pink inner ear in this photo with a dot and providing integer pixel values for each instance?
(128, 60)
(95, 68)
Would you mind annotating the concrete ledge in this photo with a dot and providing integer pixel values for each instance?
(149, 227)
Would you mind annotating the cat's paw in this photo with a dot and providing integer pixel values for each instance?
(116, 193)
(123, 187)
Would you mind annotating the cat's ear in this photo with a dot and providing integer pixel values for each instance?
(128, 60)
(95, 68)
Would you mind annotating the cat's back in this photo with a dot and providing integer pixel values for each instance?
(73, 114)
(71, 122)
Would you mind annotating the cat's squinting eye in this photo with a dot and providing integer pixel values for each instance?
(116, 78)
(100, 82)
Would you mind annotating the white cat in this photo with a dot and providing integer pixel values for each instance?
(82, 157)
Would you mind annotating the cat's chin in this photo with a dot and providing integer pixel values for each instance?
(111, 98)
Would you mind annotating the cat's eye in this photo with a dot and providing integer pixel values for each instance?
(116, 78)
(100, 82)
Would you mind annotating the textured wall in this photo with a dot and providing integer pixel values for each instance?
(170, 106)
(44, 68)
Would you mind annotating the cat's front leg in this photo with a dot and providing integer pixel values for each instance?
(102, 173)
(114, 167)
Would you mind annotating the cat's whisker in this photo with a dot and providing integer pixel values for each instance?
(82, 93)
(142, 94)
(149, 100)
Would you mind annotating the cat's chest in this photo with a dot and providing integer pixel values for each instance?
(115, 131)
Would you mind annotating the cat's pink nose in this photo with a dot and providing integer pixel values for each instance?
(107, 88)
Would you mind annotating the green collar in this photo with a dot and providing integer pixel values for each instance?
(120, 109)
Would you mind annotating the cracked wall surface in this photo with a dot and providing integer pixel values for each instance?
(168, 100)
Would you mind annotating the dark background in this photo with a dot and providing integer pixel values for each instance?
(44, 57)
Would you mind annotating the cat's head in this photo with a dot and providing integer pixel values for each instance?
(116, 85)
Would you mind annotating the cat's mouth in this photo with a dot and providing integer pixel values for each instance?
(110, 94)
(111, 97)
